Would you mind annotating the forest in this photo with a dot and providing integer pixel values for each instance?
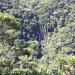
(37, 37)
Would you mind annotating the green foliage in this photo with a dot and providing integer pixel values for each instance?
(69, 66)
(30, 51)
(28, 61)
(63, 37)
(13, 24)
(4, 62)
(8, 26)
(6, 71)
(21, 71)
(10, 32)
(22, 50)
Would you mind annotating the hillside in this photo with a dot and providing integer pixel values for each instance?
(37, 37)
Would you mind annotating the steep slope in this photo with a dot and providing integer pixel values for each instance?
(43, 44)
(60, 45)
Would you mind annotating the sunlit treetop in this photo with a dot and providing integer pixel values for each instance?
(8, 21)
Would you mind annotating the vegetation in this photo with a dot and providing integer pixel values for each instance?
(37, 37)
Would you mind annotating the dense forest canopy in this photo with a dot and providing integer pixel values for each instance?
(37, 37)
